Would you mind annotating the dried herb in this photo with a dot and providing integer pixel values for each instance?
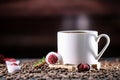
(39, 63)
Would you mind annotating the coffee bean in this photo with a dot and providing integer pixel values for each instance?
(9, 78)
(1, 74)
(27, 72)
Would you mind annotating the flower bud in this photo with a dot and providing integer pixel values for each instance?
(83, 67)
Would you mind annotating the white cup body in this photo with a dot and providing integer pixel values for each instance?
(78, 46)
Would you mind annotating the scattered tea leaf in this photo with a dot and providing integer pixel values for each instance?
(39, 63)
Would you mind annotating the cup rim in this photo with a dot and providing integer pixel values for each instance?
(78, 31)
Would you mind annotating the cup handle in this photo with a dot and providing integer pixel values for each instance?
(106, 45)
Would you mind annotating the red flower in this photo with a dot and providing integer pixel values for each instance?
(52, 59)
(83, 67)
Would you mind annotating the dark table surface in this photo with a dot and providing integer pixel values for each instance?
(110, 70)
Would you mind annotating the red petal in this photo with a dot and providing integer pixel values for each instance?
(14, 64)
(10, 59)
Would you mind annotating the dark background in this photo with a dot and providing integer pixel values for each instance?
(28, 28)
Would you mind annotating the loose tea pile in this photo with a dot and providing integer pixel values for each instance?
(110, 69)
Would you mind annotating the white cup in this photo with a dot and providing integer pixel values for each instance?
(80, 46)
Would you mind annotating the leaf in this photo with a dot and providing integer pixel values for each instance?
(39, 63)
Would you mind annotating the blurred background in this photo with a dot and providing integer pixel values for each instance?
(28, 28)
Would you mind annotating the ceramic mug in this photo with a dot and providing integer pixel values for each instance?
(80, 46)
